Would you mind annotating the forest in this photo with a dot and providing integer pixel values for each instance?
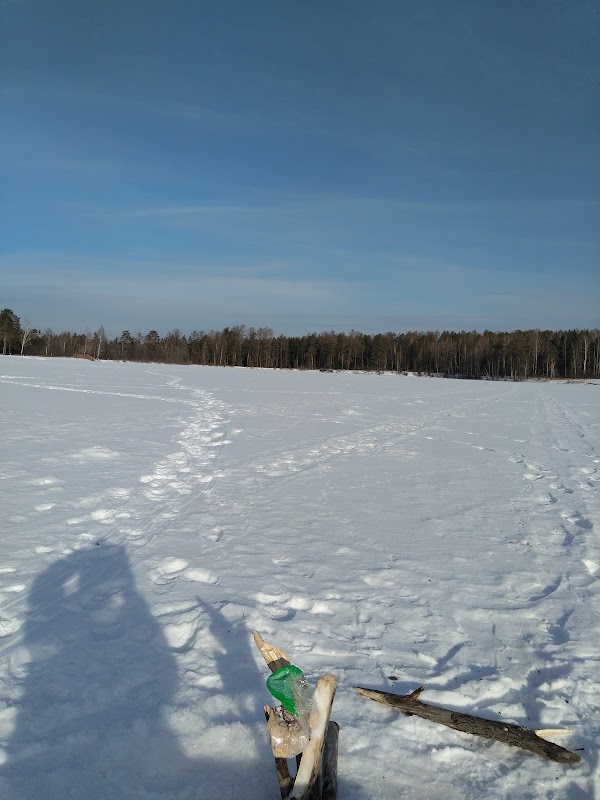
(513, 355)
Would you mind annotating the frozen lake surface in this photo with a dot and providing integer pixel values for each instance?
(392, 530)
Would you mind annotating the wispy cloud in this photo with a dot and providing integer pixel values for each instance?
(213, 119)
(175, 296)
(177, 212)
(420, 293)
(71, 92)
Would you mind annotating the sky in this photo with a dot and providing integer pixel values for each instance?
(304, 165)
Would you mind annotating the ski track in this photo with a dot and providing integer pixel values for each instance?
(337, 563)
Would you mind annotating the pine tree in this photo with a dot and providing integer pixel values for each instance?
(10, 329)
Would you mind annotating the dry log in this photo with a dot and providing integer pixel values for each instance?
(309, 771)
(500, 731)
(330, 755)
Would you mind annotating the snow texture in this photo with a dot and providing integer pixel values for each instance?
(391, 530)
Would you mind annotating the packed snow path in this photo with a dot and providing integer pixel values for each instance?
(392, 530)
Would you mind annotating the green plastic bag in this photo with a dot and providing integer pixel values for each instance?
(289, 686)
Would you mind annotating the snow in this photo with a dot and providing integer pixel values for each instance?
(390, 530)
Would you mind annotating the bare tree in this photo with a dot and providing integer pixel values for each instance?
(49, 339)
(27, 333)
(99, 341)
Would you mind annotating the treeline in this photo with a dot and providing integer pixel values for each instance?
(514, 355)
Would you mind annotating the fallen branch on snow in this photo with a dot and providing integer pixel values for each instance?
(504, 732)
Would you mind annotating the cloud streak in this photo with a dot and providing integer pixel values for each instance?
(203, 296)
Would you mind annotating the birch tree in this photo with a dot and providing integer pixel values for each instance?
(26, 335)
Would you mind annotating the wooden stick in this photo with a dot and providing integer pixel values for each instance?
(545, 732)
(284, 778)
(316, 777)
(500, 731)
(274, 657)
(330, 756)
(309, 770)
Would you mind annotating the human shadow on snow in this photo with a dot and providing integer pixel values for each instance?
(97, 678)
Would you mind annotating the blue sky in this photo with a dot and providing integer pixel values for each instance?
(300, 164)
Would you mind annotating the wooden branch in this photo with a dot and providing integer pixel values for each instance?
(545, 732)
(284, 778)
(500, 731)
(274, 657)
(329, 768)
(310, 767)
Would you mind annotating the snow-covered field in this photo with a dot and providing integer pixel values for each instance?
(374, 526)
